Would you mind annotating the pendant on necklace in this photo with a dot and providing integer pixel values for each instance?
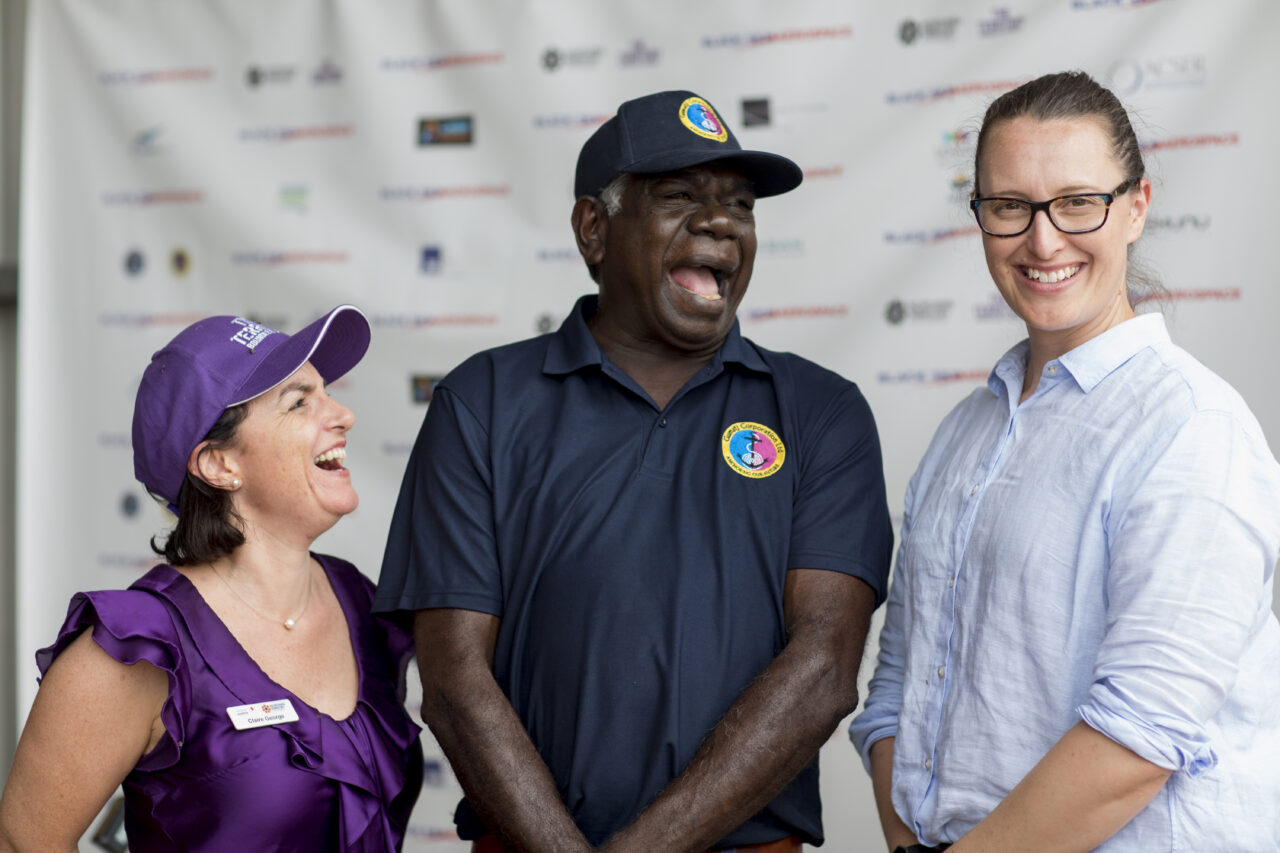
(289, 623)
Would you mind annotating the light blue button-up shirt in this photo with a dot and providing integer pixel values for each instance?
(1102, 552)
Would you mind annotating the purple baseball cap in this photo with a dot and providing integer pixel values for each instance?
(220, 362)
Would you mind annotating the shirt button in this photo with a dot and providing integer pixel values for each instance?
(662, 423)
(1052, 370)
(951, 583)
(928, 764)
(974, 490)
(942, 670)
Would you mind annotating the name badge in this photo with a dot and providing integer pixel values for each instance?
(261, 714)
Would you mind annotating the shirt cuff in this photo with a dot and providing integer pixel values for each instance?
(1155, 744)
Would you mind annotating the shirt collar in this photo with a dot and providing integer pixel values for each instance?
(1093, 360)
(573, 347)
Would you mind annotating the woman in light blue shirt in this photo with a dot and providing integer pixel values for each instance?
(1079, 650)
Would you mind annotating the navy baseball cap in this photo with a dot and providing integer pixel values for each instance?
(669, 131)
(220, 362)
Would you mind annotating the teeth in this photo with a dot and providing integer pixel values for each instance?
(1051, 277)
(330, 455)
(711, 296)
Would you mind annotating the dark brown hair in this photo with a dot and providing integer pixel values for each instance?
(208, 525)
(1076, 95)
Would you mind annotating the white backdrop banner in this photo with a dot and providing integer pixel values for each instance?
(415, 157)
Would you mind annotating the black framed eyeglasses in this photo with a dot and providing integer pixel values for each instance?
(1077, 213)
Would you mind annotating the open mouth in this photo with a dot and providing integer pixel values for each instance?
(331, 460)
(1050, 276)
(704, 281)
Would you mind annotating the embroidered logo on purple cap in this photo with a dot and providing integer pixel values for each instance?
(697, 115)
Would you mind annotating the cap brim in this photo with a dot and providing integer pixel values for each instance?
(333, 344)
(770, 174)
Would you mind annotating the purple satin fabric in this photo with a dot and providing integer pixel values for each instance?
(319, 784)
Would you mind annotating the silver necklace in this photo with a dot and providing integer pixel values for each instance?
(288, 623)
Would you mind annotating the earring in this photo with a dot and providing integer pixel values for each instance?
(235, 483)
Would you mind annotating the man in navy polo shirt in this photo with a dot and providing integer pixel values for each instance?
(642, 551)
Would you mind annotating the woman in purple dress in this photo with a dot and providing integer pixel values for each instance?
(242, 694)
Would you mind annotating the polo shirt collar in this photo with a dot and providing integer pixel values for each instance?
(573, 347)
(1093, 360)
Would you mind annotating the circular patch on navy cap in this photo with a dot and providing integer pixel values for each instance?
(697, 115)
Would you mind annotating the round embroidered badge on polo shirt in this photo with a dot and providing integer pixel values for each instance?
(697, 115)
(752, 450)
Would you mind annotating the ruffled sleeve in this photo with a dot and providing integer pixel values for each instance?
(132, 625)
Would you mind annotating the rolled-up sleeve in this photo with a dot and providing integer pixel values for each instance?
(1192, 535)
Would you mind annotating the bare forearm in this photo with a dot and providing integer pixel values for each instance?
(500, 770)
(1085, 789)
(896, 832)
(768, 735)
(503, 775)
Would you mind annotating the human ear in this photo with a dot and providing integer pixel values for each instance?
(214, 465)
(590, 226)
(1138, 210)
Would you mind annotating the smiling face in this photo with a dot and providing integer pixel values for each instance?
(675, 261)
(289, 454)
(1068, 288)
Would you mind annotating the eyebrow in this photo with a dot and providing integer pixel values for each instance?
(1075, 189)
(301, 385)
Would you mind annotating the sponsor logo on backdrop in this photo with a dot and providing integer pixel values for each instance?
(1183, 222)
(764, 39)
(570, 120)
(957, 148)
(327, 74)
(119, 319)
(544, 323)
(1204, 140)
(395, 448)
(794, 312)
(430, 260)
(298, 133)
(134, 262)
(450, 130)
(436, 193)
(180, 262)
(131, 562)
(437, 63)
(933, 29)
(1090, 5)
(431, 833)
(115, 440)
(638, 54)
(775, 247)
(1201, 294)
(129, 505)
(435, 772)
(147, 142)
(1162, 72)
(554, 58)
(145, 198)
(934, 377)
(815, 173)
(256, 76)
(755, 112)
(295, 198)
(254, 258)
(422, 321)
(995, 308)
(149, 76)
(936, 310)
(557, 256)
(422, 387)
(955, 90)
(1002, 21)
(938, 235)
(961, 186)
